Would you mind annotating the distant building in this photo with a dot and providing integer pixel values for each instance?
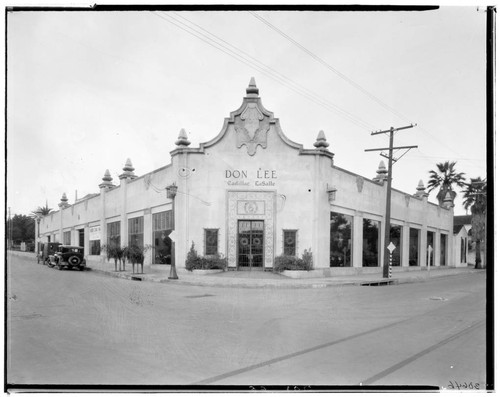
(252, 194)
(461, 243)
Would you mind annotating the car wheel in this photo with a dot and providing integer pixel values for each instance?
(74, 260)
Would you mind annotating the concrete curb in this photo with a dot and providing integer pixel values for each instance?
(292, 284)
(285, 283)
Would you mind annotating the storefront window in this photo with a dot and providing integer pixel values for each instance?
(67, 238)
(162, 227)
(442, 257)
(113, 229)
(136, 232)
(340, 240)
(430, 242)
(414, 246)
(211, 241)
(95, 247)
(370, 242)
(395, 238)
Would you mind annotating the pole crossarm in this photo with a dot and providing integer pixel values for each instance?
(394, 148)
(393, 129)
(396, 159)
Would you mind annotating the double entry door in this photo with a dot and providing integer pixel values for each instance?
(250, 244)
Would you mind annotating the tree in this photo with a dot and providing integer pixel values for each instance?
(114, 251)
(475, 199)
(41, 211)
(135, 254)
(22, 228)
(445, 178)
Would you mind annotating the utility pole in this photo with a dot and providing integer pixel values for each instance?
(391, 160)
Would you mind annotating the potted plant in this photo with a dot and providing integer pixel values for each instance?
(135, 255)
(115, 252)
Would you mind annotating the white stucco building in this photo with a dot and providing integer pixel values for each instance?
(252, 194)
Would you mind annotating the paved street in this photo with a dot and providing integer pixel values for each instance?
(70, 327)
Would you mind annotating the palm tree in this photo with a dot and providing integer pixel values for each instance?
(475, 198)
(445, 179)
(37, 215)
(41, 211)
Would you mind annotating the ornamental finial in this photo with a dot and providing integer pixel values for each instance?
(128, 171)
(106, 180)
(182, 140)
(321, 142)
(252, 90)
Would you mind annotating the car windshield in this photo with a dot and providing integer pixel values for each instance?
(71, 249)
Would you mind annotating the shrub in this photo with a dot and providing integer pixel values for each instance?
(307, 258)
(285, 262)
(195, 261)
(289, 262)
(214, 262)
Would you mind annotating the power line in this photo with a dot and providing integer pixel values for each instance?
(248, 60)
(277, 76)
(344, 77)
(330, 67)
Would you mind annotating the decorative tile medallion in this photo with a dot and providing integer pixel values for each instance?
(251, 207)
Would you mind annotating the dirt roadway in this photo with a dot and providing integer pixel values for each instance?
(70, 327)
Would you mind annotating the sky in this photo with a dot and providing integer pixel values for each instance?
(87, 90)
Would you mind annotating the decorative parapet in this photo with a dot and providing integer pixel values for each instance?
(128, 171)
(106, 181)
(381, 173)
(421, 190)
(64, 202)
(252, 124)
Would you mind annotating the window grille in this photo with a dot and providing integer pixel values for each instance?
(290, 242)
(162, 221)
(211, 241)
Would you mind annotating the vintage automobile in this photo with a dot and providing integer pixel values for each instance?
(66, 256)
(47, 249)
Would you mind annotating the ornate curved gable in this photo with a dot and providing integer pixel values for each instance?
(252, 124)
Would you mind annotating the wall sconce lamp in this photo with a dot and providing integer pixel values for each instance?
(332, 192)
(171, 191)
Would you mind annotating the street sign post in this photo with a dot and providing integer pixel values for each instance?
(429, 252)
(391, 247)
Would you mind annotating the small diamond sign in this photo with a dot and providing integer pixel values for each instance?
(429, 248)
(391, 247)
(173, 235)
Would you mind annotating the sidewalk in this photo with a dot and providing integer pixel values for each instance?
(260, 279)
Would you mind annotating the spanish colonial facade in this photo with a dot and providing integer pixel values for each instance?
(252, 194)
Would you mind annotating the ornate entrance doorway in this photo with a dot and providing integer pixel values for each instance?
(250, 207)
(250, 244)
